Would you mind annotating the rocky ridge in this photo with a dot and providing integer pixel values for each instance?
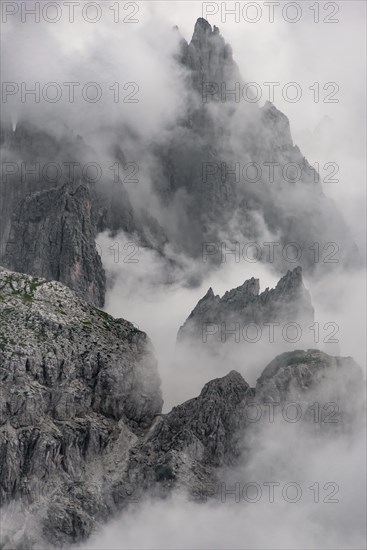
(289, 301)
(207, 207)
(203, 162)
(82, 435)
(74, 383)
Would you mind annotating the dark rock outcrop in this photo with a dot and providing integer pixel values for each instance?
(210, 61)
(288, 302)
(300, 371)
(34, 160)
(198, 171)
(191, 447)
(53, 236)
(75, 383)
(231, 169)
(184, 448)
(82, 435)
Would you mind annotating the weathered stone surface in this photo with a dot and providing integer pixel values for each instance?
(192, 446)
(53, 236)
(81, 430)
(74, 383)
(184, 448)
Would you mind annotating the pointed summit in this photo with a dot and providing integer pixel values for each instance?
(209, 58)
(292, 280)
(203, 23)
(209, 294)
(202, 28)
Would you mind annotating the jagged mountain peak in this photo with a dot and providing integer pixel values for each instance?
(288, 301)
(251, 287)
(203, 29)
(82, 387)
(202, 25)
(225, 384)
(209, 57)
(209, 295)
(293, 278)
(291, 285)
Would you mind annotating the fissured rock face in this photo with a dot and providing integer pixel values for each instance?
(52, 236)
(189, 447)
(74, 382)
(82, 435)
